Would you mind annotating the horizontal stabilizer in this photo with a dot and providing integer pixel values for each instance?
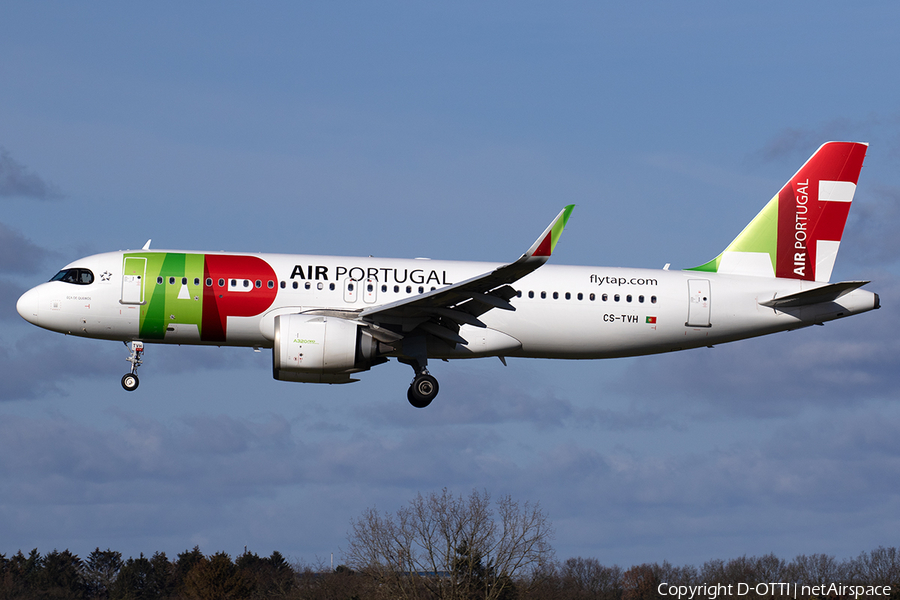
(826, 293)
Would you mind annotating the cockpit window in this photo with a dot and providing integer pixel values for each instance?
(76, 276)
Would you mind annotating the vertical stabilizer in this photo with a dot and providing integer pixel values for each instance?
(798, 233)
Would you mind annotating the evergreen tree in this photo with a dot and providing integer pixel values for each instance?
(101, 569)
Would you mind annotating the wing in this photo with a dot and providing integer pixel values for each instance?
(441, 312)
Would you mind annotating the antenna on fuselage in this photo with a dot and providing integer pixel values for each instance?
(147, 245)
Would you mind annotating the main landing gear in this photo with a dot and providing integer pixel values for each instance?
(130, 381)
(424, 387)
(422, 390)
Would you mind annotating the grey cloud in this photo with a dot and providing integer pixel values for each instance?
(492, 399)
(872, 225)
(9, 295)
(18, 254)
(166, 482)
(44, 363)
(17, 181)
(794, 142)
(35, 365)
(803, 487)
(851, 361)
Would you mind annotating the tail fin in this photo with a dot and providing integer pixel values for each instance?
(798, 233)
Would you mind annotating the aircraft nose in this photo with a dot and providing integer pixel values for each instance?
(27, 306)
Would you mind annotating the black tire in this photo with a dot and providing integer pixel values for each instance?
(130, 382)
(422, 391)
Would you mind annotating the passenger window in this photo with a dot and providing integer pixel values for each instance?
(283, 285)
(543, 295)
(519, 294)
(171, 281)
(568, 296)
(233, 283)
(409, 289)
(208, 282)
(604, 297)
(592, 297)
(421, 289)
(320, 286)
(271, 284)
(331, 286)
(246, 283)
(531, 294)
(295, 285)
(616, 297)
(184, 281)
(349, 287)
(308, 285)
(628, 298)
(159, 280)
(221, 283)
(556, 295)
(396, 289)
(370, 288)
(580, 296)
(258, 284)
(653, 299)
(196, 281)
(641, 299)
(383, 288)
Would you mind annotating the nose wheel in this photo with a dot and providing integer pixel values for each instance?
(422, 390)
(130, 381)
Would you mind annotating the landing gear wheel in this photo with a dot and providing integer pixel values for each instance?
(130, 381)
(422, 390)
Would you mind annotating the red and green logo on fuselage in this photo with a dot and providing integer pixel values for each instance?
(194, 294)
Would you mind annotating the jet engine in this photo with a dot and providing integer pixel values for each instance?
(319, 349)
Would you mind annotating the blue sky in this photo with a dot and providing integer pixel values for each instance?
(451, 131)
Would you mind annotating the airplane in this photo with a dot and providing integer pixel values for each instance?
(327, 318)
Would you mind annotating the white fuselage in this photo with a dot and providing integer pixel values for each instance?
(560, 311)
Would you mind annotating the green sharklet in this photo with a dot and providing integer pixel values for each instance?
(178, 299)
(559, 226)
(760, 235)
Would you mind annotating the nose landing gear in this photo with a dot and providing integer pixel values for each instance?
(130, 381)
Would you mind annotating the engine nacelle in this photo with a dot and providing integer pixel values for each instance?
(317, 349)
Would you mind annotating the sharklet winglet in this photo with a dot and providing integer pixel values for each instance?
(546, 242)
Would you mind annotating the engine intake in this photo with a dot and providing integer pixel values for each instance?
(320, 349)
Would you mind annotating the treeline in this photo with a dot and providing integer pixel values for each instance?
(104, 575)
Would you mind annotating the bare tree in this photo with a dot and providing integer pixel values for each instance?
(817, 569)
(450, 547)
